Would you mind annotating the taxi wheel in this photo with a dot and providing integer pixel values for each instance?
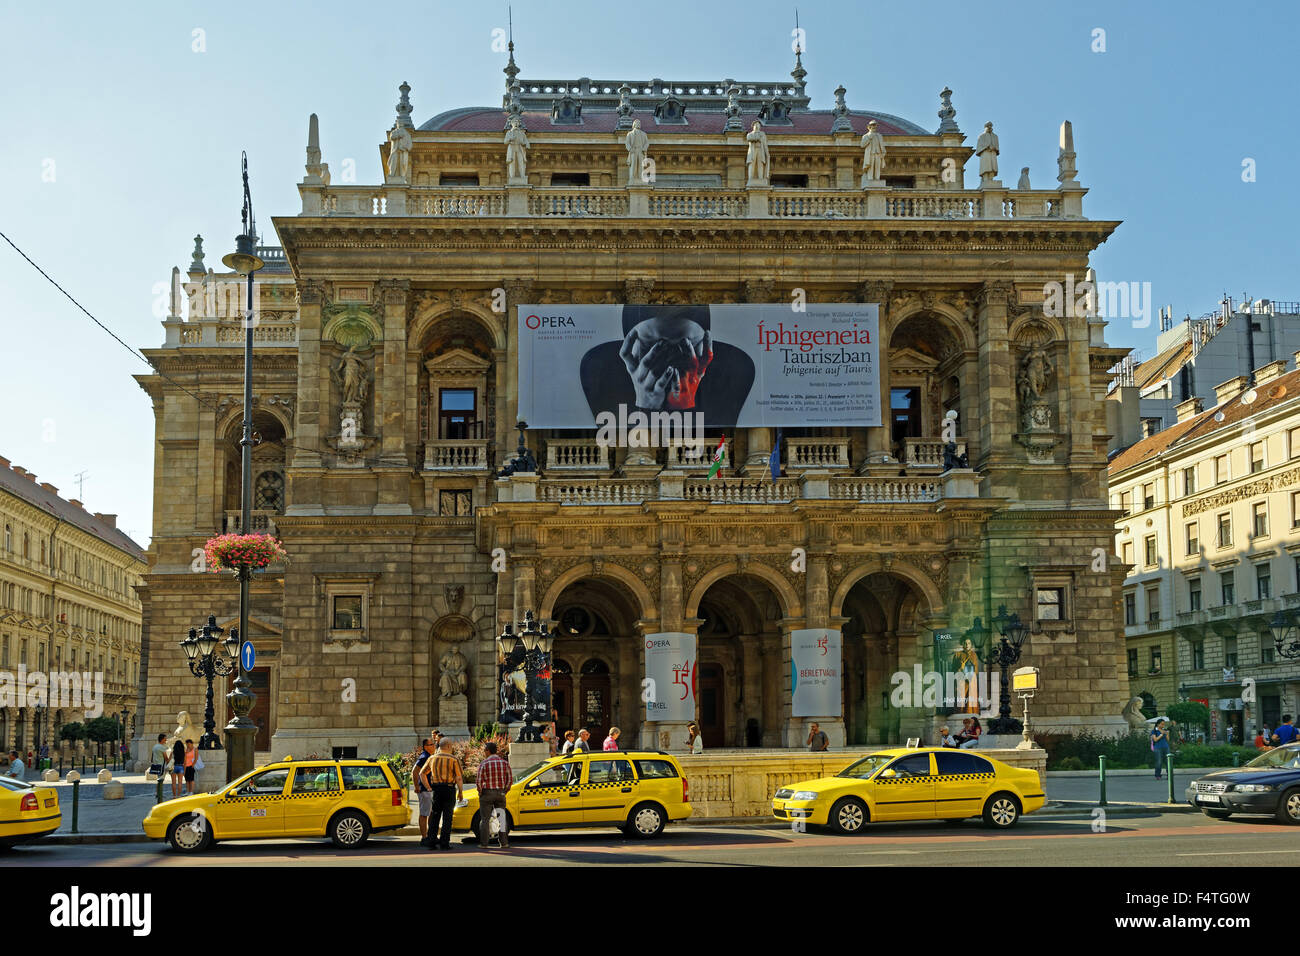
(645, 821)
(349, 830)
(1001, 811)
(1288, 807)
(1217, 814)
(848, 815)
(185, 837)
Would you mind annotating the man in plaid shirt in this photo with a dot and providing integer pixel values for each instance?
(494, 779)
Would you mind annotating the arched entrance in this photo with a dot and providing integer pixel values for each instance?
(884, 636)
(739, 684)
(597, 660)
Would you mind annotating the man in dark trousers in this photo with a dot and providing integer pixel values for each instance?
(441, 773)
(422, 793)
(494, 779)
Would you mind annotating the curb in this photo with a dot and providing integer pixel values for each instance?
(72, 839)
(1133, 773)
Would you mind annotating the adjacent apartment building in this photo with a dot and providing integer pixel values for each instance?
(67, 605)
(1210, 535)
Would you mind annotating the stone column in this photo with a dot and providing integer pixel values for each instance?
(997, 377)
(878, 443)
(817, 615)
(394, 471)
(304, 471)
(751, 683)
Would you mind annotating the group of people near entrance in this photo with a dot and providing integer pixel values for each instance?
(181, 759)
(968, 739)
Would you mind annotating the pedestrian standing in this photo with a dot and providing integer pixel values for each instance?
(191, 765)
(581, 745)
(422, 793)
(442, 775)
(693, 739)
(158, 756)
(178, 767)
(817, 739)
(611, 742)
(1286, 731)
(570, 739)
(494, 780)
(1160, 747)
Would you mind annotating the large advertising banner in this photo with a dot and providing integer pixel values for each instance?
(815, 667)
(737, 365)
(671, 672)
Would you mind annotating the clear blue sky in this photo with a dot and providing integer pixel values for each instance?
(145, 134)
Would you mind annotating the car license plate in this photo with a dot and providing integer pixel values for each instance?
(1208, 798)
(50, 802)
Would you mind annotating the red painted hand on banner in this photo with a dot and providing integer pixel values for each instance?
(698, 358)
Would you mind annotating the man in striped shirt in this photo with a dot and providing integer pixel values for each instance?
(441, 774)
(494, 779)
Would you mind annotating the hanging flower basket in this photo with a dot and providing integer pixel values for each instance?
(236, 552)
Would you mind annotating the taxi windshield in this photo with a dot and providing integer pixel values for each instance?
(521, 774)
(1277, 758)
(865, 767)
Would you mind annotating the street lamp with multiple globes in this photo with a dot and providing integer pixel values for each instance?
(205, 661)
(1011, 633)
(530, 649)
(242, 730)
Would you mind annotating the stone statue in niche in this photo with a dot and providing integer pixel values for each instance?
(351, 377)
(1035, 376)
(452, 680)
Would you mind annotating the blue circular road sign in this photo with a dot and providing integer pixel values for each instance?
(247, 655)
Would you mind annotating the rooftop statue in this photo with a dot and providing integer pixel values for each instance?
(638, 144)
(516, 153)
(757, 159)
(986, 148)
(399, 155)
(873, 154)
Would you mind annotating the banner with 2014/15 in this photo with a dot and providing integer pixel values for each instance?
(738, 365)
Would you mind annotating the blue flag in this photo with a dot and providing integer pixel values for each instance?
(774, 461)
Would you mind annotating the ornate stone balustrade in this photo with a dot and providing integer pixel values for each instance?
(681, 202)
(597, 491)
(456, 454)
(801, 453)
(576, 455)
(887, 490)
(927, 452)
(211, 334)
(727, 491)
(578, 202)
(261, 521)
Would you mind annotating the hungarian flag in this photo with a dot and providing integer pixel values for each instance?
(719, 457)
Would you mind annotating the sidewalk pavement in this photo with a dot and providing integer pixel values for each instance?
(1068, 792)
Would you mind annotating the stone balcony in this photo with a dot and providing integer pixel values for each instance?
(260, 520)
(577, 456)
(456, 454)
(676, 202)
(675, 485)
(927, 453)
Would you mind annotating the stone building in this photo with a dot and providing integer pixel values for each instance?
(387, 389)
(68, 605)
(1210, 534)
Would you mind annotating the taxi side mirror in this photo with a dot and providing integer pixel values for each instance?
(533, 782)
(889, 772)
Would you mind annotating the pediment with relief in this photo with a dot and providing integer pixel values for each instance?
(457, 362)
(907, 361)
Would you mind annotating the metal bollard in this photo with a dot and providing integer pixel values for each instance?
(76, 801)
(158, 798)
(1236, 758)
(1169, 772)
(1101, 762)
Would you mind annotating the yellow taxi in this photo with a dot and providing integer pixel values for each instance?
(637, 791)
(27, 811)
(346, 800)
(914, 784)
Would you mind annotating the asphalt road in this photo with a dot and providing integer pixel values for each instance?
(1168, 839)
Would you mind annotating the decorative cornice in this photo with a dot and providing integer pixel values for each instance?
(1251, 489)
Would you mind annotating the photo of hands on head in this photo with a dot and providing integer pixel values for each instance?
(668, 361)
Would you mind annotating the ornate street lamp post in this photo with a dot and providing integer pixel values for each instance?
(529, 649)
(1011, 635)
(207, 662)
(241, 729)
(1286, 638)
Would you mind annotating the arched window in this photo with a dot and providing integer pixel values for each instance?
(269, 491)
(27, 545)
(9, 538)
(1148, 704)
(595, 666)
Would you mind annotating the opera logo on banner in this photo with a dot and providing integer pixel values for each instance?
(671, 670)
(815, 664)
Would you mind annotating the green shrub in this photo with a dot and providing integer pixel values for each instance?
(1212, 755)
(1070, 763)
(1189, 713)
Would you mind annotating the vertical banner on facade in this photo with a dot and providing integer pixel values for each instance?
(671, 671)
(815, 659)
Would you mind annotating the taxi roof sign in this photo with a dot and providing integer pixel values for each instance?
(1025, 679)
